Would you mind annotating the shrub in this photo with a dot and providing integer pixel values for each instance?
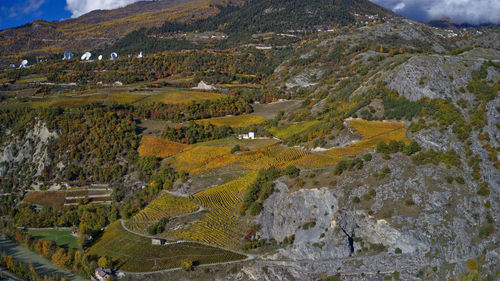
(411, 148)
(460, 180)
(472, 264)
(367, 157)
(369, 195)
(235, 149)
(409, 202)
(356, 200)
(483, 190)
(398, 251)
(449, 179)
(292, 171)
(255, 208)
(187, 265)
(382, 147)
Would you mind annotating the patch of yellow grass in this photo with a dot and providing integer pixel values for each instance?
(153, 146)
(390, 131)
(238, 121)
(182, 96)
(203, 158)
(290, 130)
(369, 129)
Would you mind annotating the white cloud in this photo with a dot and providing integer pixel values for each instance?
(399, 6)
(80, 7)
(469, 11)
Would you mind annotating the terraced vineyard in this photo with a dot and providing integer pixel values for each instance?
(153, 146)
(380, 131)
(370, 129)
(290, 130)
(203, 158)
(165, 205)
(281, 157)
(221, 226)
(137, 254)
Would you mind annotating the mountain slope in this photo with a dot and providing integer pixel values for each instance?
(100, 27)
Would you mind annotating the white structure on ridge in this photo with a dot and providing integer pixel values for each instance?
(86, 56)
(24, 64)
(203, 86)
(68, 55)
(140, 56)
(114, 56)
(99, 57)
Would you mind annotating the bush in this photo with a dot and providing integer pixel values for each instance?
(186, 265)
(356, 200)
(398, 251)
(367, 157)
(255, 208)
(483, 190)
(235, 149)
(369, 195)
(292, 171)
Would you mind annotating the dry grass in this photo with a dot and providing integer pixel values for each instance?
(369, 129)
(76, 101)
(390, 131)
(46, 198)
(153, 146)
(203, 158)
(290, 130)
(238, 121)
(178, 96)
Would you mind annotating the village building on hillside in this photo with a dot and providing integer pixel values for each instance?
(158, 241)
(104, 274)
(249, 136)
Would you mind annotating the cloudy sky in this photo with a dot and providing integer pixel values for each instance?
(18, 12)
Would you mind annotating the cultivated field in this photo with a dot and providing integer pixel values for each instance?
(46, 198)
(177, 96)
(159, 147)
(165, 205)
(75, 101)
(222, 225)
(374, 133)
(286, 132)
(238, 121)
(68, 197)
(137, 254)
(203, 158)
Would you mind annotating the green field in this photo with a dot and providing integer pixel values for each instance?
(61, 237)
(293, 129)
(137, 254)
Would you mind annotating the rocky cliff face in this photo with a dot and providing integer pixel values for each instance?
(416, 223)
(439, 76)
(25, 156)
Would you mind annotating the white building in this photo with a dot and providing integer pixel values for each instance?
(249, 136)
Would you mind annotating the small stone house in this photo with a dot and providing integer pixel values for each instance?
(158, 241)
(103, 274)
